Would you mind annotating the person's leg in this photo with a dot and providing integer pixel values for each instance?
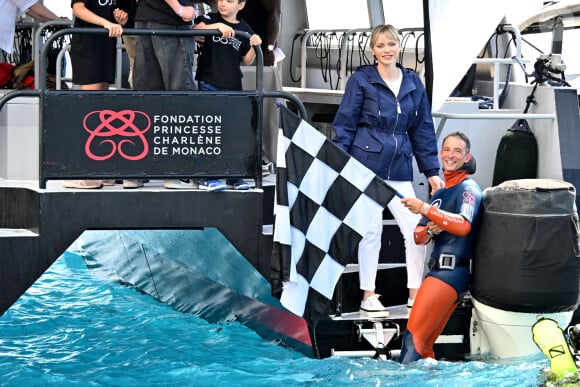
(92, 71)
(407, 221)
(368, 254)
(433, 306)
(147, 74)
(130, 42)
(96, 86)
(368, 259)
(88, 184)
(445, 316)
(175, 56)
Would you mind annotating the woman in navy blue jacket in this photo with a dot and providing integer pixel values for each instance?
(384, 120)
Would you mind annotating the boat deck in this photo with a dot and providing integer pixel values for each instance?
(396, 312)
(38, 224)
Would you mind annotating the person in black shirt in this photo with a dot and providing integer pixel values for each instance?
(93, 56)
(218, 66)
(220, 57)
(164, 62)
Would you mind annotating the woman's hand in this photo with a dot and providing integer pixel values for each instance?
(436, 183)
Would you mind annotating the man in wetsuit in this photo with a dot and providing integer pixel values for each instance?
(449, 220)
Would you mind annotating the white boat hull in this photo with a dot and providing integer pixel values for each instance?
(501, 334)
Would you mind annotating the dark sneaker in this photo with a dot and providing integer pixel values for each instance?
(237, 184)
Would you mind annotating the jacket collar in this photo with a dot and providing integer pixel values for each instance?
(407, 85)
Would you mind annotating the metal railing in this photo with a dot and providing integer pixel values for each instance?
(38, 46)
(488, 116)
(258, 94)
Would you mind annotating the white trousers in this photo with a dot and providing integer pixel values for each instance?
(370, 246)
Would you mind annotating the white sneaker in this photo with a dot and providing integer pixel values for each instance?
(267, 168)
(372, 307)
(410, 302)
(179, 184)
(83, 184)
(132, 183)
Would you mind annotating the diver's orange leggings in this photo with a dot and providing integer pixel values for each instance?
(434, 304)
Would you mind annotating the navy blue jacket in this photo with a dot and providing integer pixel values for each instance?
(384, 132)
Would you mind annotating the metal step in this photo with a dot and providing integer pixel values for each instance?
(354, 267)
(16, 232)
(395, 312)
(378, 336)
(268, 229)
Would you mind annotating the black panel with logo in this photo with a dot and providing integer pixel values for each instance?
(149, 134)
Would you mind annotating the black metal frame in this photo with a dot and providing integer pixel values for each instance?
(257, 96)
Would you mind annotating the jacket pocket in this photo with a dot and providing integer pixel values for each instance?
(367, 149)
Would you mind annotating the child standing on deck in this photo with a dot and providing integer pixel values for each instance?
(93, 56)
(218, 66)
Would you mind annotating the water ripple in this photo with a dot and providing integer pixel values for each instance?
(72, 329)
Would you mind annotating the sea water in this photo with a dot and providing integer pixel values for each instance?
(74, 329)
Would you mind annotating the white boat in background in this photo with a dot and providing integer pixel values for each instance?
(491, 69)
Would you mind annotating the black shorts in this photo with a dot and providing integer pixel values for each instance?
(93, 59)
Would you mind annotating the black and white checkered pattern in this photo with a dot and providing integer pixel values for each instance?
(322, 198)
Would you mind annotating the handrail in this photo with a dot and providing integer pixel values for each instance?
(131, 31)
(490, 116)
(61, 53)
(119, 63)
(259, 94)
(17, 93)
(38, 43)
(344, 54)
(497, 116)
(517, 59)
(303, 45)
(343, 50)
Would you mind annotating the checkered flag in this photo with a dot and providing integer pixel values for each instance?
(322, 198)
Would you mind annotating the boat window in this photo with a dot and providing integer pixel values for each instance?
(337, 14)
(59, 7)
(403, 15)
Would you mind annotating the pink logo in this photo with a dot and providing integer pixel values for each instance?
(123, 131)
